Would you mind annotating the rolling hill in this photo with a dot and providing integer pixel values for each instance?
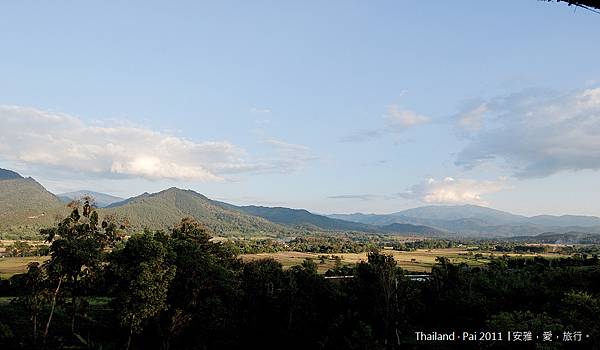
(458, 212)
(570, 237)
(305, 219)
(472, 220)
(25, 205)
(298, 217)
(166, 208)
(6, 174)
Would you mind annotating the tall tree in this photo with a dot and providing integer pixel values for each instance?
(142, 278)
(34, 294)
(78, 247)
(380, 283)
(204, 287)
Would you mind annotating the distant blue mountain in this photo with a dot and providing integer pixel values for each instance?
(102, 199)
(302, 217)
(9, 175)
(473, 220)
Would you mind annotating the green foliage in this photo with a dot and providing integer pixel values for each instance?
(142, 276)
(163, 210)
(6, 333)
(426, 244)
(34, 293)
(26, 206)
(179, 289)
(204, 284)
(582, 309)
(77, 251)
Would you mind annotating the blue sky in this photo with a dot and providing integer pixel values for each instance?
(338, 106)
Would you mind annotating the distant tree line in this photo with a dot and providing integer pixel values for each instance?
(24, 249)
(307, 244)
(426, 244)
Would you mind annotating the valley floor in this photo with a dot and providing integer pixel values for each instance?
(14, 265)
(420, 260)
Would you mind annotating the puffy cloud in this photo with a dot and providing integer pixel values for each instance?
(61, 141)
(539, 133)
(453, 191)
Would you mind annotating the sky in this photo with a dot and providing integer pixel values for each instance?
(336, 107)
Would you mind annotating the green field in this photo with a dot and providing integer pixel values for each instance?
(12, 266)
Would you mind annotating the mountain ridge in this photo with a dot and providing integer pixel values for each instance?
(26, 203)
(6, 174)
(102, 199)
(474, 220)
(166, 208)
(303, 218)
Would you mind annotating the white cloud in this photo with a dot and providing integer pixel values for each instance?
(60, 141)
(288, 156)
(400, 119)
(285, 146)
(539, 133)
(257, 110)
(453, 191)
(397, 120)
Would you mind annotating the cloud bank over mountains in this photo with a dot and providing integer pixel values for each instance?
(55, 140)
(454, 191)
(446, 191)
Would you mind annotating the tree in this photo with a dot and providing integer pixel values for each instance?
(34, 293)
(582, 311)
(204, 286)
(380, 282)
(261, 306)
(78, 248)
(142, 278)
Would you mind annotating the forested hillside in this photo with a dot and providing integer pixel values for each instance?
(26, 206)
(165, 209)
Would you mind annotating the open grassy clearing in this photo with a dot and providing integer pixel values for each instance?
(421, 260)
(13, 265)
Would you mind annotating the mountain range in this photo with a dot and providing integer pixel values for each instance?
(301, 218)
(101, 199)
(473, 220)
(27, 205)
